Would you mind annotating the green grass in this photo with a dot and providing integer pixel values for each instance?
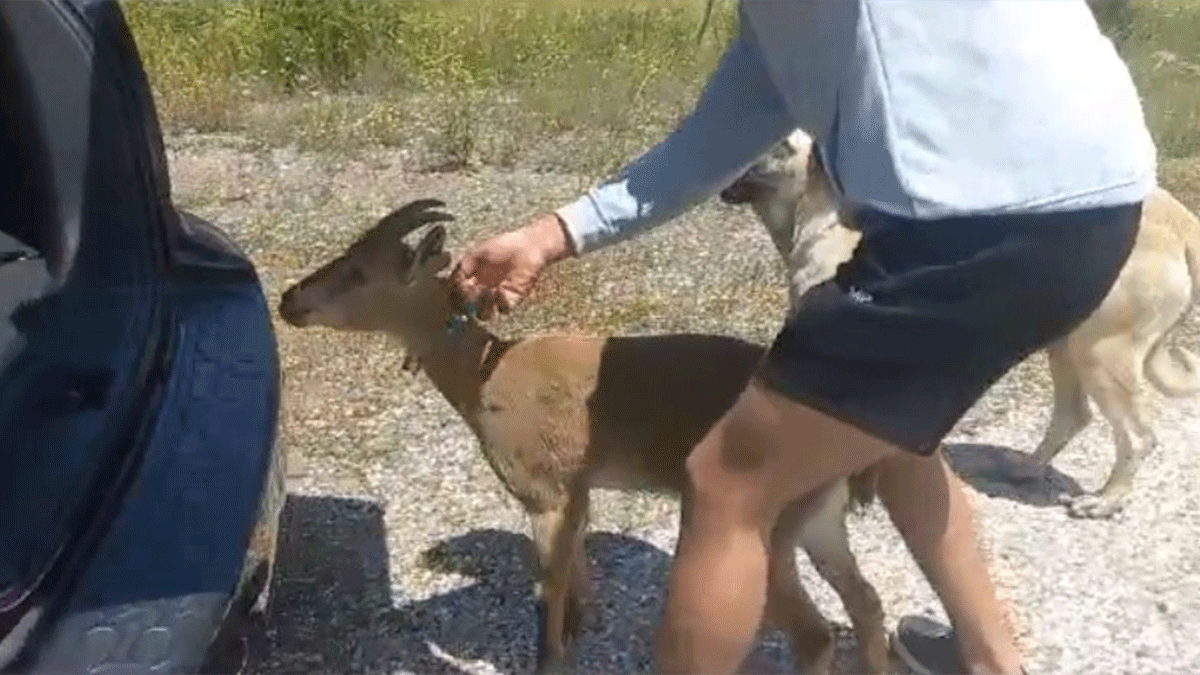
(486, 81)
(1160, 40)
(477, 80)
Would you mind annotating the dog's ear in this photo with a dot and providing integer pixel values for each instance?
(799, 141)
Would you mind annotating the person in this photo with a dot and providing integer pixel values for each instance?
(995, 156)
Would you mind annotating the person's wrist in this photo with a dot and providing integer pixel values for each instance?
(548, 236)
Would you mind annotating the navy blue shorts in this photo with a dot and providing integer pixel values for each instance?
(927, 315)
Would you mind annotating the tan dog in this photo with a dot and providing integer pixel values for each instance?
(1109, 358)
(557, 415)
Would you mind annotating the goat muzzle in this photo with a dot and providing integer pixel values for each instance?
(291, 310)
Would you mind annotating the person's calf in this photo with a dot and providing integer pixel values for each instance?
(926, 503)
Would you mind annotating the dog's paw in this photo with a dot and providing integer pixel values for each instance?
(1095, 507)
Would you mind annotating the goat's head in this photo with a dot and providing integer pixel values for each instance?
(379, 282)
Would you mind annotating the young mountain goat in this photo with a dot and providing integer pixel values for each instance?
(557, 415)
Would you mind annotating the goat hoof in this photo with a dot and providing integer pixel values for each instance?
(813, 651)
(551, 662)
(877, 655)
(553, 652)
(575, 620)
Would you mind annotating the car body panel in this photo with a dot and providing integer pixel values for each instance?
(184, 542)
(140, 484)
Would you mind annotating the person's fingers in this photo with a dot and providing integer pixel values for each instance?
(509, 299)
(459, 276)
(489, 279)
(467, 290)
(465, 280)
(466, 265)
(485, 304)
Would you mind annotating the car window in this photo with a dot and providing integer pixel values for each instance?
(26, 226)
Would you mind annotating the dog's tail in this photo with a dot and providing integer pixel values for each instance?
(1175, 370)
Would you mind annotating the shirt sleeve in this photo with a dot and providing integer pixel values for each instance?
(738, 117)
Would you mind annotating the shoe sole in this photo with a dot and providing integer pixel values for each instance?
(914, 666)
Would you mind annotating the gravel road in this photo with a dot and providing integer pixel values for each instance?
(400, 553)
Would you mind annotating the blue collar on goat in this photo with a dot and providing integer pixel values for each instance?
(458, 321)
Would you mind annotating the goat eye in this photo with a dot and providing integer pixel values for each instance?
(351, 278)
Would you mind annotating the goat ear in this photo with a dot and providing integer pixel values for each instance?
(431, 244)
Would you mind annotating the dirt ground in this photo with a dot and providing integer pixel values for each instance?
(400, 553)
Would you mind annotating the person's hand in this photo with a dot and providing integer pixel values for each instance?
(498, 273)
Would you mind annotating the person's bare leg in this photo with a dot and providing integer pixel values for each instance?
(746, 469)
(927, 505)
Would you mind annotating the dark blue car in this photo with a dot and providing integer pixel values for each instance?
(140, 486)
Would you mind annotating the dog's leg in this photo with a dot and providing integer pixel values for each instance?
(789, 605)
(1069, 416)
(554, 534)
(1114, 378)
(827, 543)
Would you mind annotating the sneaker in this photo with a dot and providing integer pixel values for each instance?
(927, 647)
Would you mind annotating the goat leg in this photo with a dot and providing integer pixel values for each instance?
(559, 616)
(790, 608)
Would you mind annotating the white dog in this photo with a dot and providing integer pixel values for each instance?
(1109, 358)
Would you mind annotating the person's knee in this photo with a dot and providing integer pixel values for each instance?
(727, 472)
(917, 489)
(904, 467)
(718, 493)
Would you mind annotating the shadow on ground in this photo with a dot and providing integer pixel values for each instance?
(330, 604)
(332, 608)
(991, 469)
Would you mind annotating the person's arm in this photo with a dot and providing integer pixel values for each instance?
(737, 118)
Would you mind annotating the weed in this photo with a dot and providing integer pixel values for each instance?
(472, 81)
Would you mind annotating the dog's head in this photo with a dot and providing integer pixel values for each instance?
(774, 186)
(778, 174)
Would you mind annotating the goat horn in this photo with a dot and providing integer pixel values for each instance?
(413, 215)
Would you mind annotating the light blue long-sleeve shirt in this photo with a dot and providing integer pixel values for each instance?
(921, 108)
